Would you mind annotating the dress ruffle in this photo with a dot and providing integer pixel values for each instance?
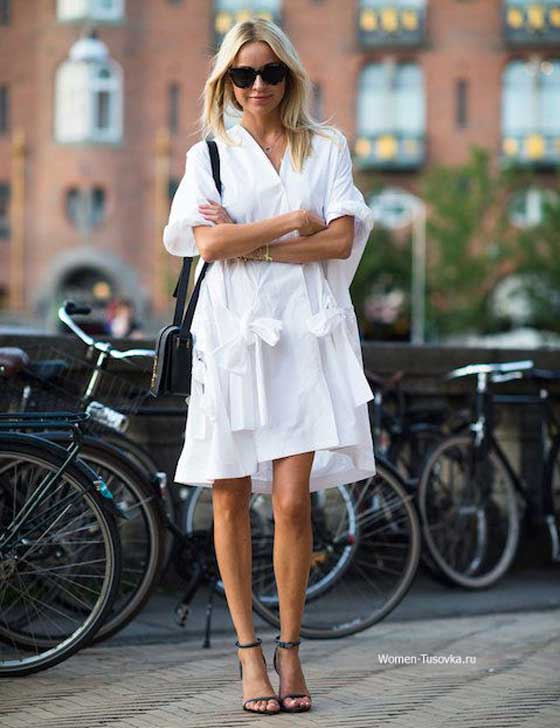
(234, 372)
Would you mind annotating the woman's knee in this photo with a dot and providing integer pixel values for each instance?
(230, 497)
(292, 508)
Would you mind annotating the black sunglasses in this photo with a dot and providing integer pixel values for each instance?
(271, 73)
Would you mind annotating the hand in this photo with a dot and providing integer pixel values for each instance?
(310, 223)
(215, 212)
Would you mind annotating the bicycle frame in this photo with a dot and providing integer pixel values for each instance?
(482, 429)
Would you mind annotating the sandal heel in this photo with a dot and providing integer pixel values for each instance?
(284, 708)
(263, 697)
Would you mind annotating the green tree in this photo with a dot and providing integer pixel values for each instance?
(472, 246)
(540, 264)
(385, 267)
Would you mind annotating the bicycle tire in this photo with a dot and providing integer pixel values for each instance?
(198, 518)
(19, 447)
(388, 488)
(455, 447)
(551, 484)
(142, 459)
(98, 454)
(386, 477)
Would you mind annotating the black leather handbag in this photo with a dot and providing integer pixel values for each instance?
(172, 370)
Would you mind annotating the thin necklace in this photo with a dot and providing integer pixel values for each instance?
(268, 148)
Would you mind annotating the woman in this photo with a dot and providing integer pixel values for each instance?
(278, 403)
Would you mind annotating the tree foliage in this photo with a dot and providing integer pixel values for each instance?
(472, 246)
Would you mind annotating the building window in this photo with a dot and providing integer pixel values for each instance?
(461, 91)
(99, 10)
(247, 6)
(88, 99)
(392, 22)
(105, 90)
(85, 208)
(5, 12)
(4, 109)
(391, 98)
(229, 12)
(4, 210)
(531, 110)
(391, 115)
(97, 205)
(527, 21)
(173, 97)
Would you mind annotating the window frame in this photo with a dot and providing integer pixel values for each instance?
(92, 10)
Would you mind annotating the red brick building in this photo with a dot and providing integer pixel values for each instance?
(93, 131)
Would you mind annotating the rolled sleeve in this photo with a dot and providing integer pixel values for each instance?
(195, 188)
(344, 198)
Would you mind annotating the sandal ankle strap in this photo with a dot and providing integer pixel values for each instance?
(249, 644)
(286, 644)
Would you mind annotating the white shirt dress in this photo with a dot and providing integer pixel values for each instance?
(277, 363)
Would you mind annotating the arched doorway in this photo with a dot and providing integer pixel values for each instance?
(94, 278)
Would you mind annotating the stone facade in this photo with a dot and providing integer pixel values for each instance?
(162, 42)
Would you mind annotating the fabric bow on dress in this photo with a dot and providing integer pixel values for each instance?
(332, 318)
(248, 400)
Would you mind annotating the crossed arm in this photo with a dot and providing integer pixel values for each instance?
(231, 240)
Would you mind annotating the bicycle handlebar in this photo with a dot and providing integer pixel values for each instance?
(504, 368)
(69, 309)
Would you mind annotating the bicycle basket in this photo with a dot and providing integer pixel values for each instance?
(57, 380)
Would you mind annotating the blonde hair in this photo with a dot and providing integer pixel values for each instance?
(295, 113)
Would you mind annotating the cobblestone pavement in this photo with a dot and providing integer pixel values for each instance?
(513, 680)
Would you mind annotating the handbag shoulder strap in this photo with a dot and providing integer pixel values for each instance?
(187, 321)
(180, 292)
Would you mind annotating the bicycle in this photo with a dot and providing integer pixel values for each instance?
(195, 560)
(60, 557)
(406, 434)
(60, 380)
(341, 540)
(366, 548)
(471, 498)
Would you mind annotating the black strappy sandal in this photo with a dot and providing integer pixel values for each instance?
(265, 697)
(294, 708)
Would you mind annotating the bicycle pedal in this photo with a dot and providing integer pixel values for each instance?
(182, 614)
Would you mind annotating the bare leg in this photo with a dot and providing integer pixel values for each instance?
(232, 541)
(293, 542)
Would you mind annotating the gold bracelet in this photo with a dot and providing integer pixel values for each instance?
(260, 253)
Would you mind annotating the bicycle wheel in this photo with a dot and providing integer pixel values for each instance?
(551, 487)
(332, 510)
(142, 533)
(469, 513)
(57, 537)
(141, 459)
(385, 550)
(409, 451)
(366, 547)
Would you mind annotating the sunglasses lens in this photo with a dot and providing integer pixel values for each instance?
(242, 77)
(273, 73)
